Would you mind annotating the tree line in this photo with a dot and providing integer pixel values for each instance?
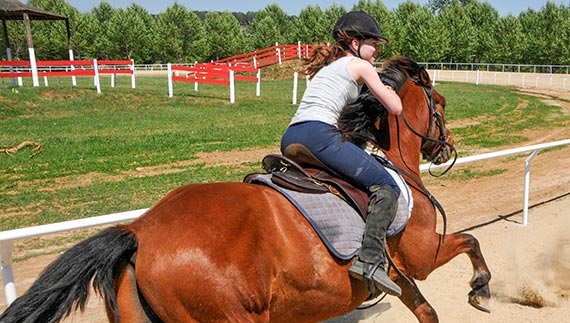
(464, 31)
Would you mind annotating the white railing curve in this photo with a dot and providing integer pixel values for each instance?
(8, 237)
(534, 150)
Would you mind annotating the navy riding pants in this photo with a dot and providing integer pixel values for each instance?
(344, 157)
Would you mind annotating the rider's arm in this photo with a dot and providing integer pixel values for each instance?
(363, 70)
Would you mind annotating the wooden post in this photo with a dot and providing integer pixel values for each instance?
(35, 79)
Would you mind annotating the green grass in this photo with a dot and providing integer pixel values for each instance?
(101, 139)
(466, 173)
(495, 116)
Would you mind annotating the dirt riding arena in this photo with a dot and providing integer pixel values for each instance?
(530, 264)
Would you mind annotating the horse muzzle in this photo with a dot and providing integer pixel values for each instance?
(443, 156)
(438, 152)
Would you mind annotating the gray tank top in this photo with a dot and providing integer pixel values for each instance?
(330, 90)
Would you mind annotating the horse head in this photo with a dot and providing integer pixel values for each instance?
(367, 121)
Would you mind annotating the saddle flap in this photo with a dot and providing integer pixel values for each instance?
(353, 195)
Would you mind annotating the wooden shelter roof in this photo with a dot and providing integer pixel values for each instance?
(15, 10)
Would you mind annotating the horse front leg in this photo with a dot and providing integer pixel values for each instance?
(458, 243)
(415, 301)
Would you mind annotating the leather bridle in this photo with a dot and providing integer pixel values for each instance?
(434, 147)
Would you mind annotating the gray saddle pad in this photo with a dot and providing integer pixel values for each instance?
(338, 225)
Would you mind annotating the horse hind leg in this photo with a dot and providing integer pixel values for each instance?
(129, 302)
(459, 243)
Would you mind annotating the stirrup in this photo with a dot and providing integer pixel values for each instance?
(385, 284)
(360, 270)
(372, 270)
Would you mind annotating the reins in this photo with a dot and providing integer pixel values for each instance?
(420, 187)
(434, 114)
(435, 118)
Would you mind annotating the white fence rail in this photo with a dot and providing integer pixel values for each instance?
(7, 238)
(489, 67)
(497, 67)
(525, 80)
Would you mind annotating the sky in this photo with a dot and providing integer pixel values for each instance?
(292, 7)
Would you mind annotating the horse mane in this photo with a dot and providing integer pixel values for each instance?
(356, 122)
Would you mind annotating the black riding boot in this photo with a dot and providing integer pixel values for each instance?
(371, 262)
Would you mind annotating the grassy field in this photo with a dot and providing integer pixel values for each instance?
(92, 144)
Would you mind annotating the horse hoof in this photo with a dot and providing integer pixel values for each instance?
(480, 300)
(481, 304)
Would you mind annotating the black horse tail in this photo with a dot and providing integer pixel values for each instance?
(63, 286)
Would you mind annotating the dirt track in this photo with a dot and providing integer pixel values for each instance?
(530, 265)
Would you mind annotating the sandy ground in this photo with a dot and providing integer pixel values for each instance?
(530, 264)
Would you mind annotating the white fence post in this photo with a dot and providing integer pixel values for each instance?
(550, 83)
(258, 85)
(34, 67)
(477, 77)
(196, 77)
(278, 53)
(232, 87)
(295, 83)
(527, 185)
(96, 77)
(169, 75)
(133, 84)
(6, 248)
(73, 78)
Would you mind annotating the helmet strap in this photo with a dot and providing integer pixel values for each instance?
(357, 53)
(359, 46)
(348, 47)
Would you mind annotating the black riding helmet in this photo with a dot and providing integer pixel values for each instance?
(360, 25)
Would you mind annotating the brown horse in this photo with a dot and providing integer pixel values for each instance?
(237, 252)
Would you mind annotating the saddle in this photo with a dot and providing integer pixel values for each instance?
(299, 170)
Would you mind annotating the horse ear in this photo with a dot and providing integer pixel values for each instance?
(424, 77)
